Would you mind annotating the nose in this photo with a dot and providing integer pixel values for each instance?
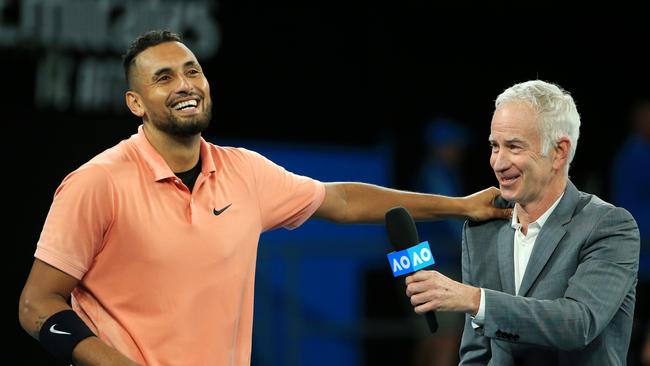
(184, 85)
(500, 160)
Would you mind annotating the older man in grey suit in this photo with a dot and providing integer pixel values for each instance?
(555, 285)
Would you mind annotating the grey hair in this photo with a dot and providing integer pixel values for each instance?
(557, 113)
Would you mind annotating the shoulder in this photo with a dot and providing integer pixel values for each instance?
(480, 228)
(594, 208)
(103, 168)
(124, 153)
(227, 154)
(238, 158)
(601, 219)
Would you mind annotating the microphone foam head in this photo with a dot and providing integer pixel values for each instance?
(401, 229)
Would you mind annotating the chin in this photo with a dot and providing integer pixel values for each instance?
(508, 196)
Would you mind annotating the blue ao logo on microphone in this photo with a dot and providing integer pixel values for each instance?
(410, 260)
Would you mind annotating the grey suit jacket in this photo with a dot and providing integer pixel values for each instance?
(576, 300)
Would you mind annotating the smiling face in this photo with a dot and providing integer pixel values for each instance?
(524, 175)
(170, 91)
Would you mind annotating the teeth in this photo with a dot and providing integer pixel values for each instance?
(187, 103)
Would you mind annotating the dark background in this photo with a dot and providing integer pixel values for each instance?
(354, 74)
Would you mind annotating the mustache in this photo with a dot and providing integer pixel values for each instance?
(180, 96)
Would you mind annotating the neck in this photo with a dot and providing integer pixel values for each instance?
(531, 211)
(180, 153)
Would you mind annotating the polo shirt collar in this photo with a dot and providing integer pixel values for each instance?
(207, 162)
(159, 166)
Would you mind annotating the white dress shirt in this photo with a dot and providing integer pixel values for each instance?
(523, 247)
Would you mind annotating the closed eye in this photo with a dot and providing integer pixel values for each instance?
(515, 147)
(494, 147)
(163, 78)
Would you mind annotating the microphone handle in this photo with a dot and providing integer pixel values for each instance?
(432, 321)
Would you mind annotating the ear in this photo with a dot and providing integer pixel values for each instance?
(134, 103)
(562, 148)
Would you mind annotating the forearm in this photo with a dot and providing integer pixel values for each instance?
(368, 203)
(33, 313)
(92, 351)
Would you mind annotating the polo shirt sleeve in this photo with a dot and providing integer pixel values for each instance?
(81, 213)
(285, 199)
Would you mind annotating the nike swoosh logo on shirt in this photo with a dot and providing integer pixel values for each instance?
(219, 212)
(58, 331)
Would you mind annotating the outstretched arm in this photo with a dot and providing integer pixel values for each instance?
(46, 293)
(367, 203)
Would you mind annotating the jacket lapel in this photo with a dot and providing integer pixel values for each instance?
(505, 247)
(549, 237)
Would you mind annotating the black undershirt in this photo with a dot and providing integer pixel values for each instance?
(189, 177)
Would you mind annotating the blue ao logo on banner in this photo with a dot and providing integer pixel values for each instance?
(411, 260)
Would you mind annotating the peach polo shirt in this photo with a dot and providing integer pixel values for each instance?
(163, 279)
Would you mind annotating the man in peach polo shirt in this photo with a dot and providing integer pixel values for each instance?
(154, 241)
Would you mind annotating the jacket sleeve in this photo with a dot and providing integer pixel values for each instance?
(474, 347)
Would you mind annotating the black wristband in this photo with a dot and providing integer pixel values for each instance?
(62, 332)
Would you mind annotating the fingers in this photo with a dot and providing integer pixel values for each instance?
(413, 289)
(500, 203)
(416, 284)
(418, 276)
(423, 275)
(424, 308)
(409, 279)
(422, 303)
(503, 213)
(430, 290)
(419, 299)
(494, 192)
(507, 213)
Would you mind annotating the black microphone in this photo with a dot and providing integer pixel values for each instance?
(402, 235)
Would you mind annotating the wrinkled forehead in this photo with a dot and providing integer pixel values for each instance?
(514, 120)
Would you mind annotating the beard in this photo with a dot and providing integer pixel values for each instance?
(185, 127)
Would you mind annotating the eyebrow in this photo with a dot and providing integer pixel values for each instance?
(516, 140)
(491, 140)
(165, 70)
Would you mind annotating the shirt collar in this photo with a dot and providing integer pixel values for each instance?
(514, 223)
(159, 166)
